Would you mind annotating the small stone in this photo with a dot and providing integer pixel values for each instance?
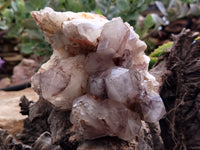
(5, 82)
(23, 72)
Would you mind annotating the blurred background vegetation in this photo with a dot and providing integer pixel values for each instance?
(15, 17)
(151, 20)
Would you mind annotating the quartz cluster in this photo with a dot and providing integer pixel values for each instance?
(99, 71)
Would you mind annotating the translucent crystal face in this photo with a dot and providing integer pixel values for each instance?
(98, 71)
(119, 85)
(97, 118)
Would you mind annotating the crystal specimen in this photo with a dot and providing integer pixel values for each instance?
(99, 71)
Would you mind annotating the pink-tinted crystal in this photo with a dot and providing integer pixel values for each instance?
(97, 63)
(152, 107)
(96, 118)
(119, 85)
(64, 81)
(112, 37)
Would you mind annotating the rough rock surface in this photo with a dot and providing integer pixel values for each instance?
(37, 121)
(8, 142)
(44, 142)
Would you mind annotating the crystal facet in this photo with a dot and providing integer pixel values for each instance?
(96, 118)
(119, 85)
(64, 81)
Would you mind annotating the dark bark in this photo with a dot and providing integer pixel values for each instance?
(37, 121)
(24, 104)
(42, 119)
(44, 143)
(180, 92)
(107, 143)
(7, 142)
(60, 127)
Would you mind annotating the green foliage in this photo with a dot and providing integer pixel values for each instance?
(171, 10)
(176, 9)
(161, 49)
(159, 52)
(5, 4)
(128, 10)
(153, 60)
(15, 17)
(17, 20)
(143, 29)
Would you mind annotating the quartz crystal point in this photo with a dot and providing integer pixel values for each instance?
(119, 86)
(112, 37)
(99, 71)
(96, 118)
(63, 82)
(152, 107)
(97, 63)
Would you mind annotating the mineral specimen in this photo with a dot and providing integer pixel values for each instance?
(99, 72)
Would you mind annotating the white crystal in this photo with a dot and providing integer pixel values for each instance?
(69, 31)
